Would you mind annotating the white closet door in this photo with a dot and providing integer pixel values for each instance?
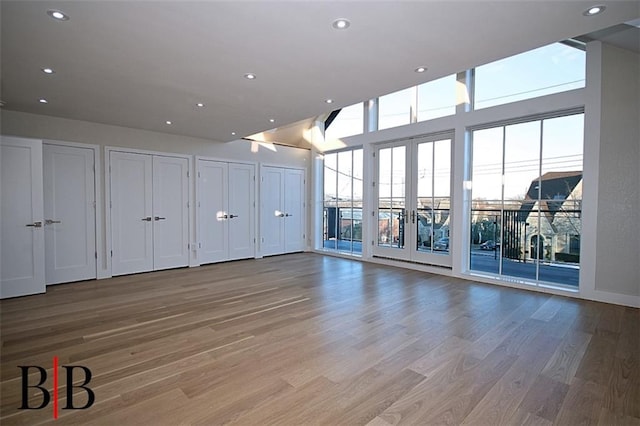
(212, 206)
(241, 222)
(294, 210)
(21, 217)
(170, 212)
(69, 225)
(272, 214)
(131, 212)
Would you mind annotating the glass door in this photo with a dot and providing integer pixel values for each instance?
(392, 202)
(414, 200)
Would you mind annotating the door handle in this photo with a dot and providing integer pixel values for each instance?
(146, 219)
(51, 222)
(159, 218)
(288, 215)
(224, 216)
(37, 224)
(231, 216)
(413, 216)
(281, 215)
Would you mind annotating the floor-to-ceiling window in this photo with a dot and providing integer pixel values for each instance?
(526, 200)
(342, 217)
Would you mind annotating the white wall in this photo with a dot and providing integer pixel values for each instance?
(617, 264)
(47, 128)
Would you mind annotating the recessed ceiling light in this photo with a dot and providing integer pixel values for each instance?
(199, 104)
(2, 103)
(168, 122)
(594, 10)
(272, 120)
(341, 24)
(57, 14)
(250, 76)
(43, 101)
(233, 133)
(420, 69)
(48, 70)
(329, 101)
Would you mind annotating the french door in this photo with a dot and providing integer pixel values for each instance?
(282, 210)
(149, 212)
(226, 211)
(413, 182)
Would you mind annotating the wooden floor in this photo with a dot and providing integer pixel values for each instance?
(310, 339)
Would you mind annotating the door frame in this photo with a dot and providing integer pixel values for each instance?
(409, 252)
(107, 197)
(305, 209)
(101, 248)
(256, 215)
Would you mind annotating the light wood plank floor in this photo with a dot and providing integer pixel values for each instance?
(310, 339)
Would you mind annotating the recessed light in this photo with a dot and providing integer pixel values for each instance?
(199, 104)
(329, 101)
(420, 69)
(2, 103)
(168, 122)
(48, 70)
(58, 15)
(594, 10)
(272, 120)
(341, 24)
(233, 133)
(250, 76)
(43, 101)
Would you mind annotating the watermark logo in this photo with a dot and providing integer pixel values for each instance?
(46, 396)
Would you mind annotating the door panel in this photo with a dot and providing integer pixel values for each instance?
(414, 200)
(212, 206)
(69, 213)
(170, 212)
(294, 212)
(241, 222)
(21, 246)
(272, 219)
(131, 212)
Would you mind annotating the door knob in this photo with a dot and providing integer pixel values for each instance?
(51, 222)
(159, 218)
(35, 224)
(147, 219)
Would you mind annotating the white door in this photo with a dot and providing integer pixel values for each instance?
(131, 212)
(212, 208)
(272, 214)
(294, 237)
(241, 214)
(170, 212)
(413, 179)
(21, 217)
(69, 214)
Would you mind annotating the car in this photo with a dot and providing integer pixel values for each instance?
(489, 245)
(441, 244)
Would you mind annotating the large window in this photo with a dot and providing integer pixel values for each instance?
(526, 200)
(437, 98)
(549, 69)
(395, 108)
(342, 218)
(349, 122)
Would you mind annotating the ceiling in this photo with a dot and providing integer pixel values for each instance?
(142, 63)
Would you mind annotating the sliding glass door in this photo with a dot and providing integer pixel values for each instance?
(414, 200)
